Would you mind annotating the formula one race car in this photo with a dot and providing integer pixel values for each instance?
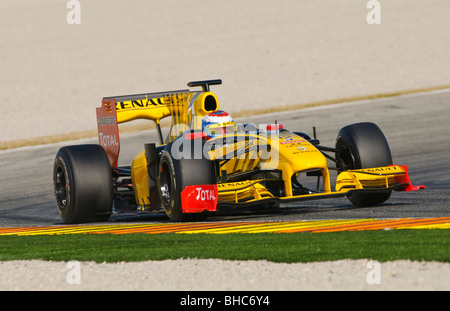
(207, 163)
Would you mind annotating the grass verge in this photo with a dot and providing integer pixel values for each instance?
(419, 245)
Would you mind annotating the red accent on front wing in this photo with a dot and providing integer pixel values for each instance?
(199, 198)
(405, 179)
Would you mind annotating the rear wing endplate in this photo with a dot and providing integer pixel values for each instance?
(108, 130)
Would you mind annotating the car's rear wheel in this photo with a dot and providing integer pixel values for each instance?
(82, 179)
(174, 175)
(363, 145)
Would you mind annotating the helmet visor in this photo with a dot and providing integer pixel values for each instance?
(221, 128)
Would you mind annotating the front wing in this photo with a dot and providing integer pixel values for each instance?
(196, 199)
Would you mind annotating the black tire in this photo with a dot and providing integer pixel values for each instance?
(82, 179)
(363, 145)
(174, 175)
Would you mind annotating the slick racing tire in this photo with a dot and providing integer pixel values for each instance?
(82, 179)
(363, 145)
(174, 175)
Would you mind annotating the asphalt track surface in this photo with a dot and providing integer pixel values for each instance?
(416, 126)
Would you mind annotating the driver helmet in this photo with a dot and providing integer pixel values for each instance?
(217, 123)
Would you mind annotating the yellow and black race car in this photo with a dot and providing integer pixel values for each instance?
(207, 163)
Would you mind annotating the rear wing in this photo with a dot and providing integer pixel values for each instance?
(152, 106)
(186, 108)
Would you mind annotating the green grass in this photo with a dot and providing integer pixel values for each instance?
(421, 245)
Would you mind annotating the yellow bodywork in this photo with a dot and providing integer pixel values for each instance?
(288, 153)
(243, 191)
(139, 179)
(378, 177)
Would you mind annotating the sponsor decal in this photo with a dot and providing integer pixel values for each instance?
(235, 184)
(107, 121)
(108, 140)
(138, 104)
(292, 142)
(382, 169)
(199, 198)
(205, 195)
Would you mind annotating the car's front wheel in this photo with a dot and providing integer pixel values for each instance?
(174, 174)
(363, 145)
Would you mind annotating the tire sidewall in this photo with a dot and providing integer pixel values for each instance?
(65, 211)
(88, 178)
(368, 148)
(367, 144)
(173, 207)
(183, 172)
